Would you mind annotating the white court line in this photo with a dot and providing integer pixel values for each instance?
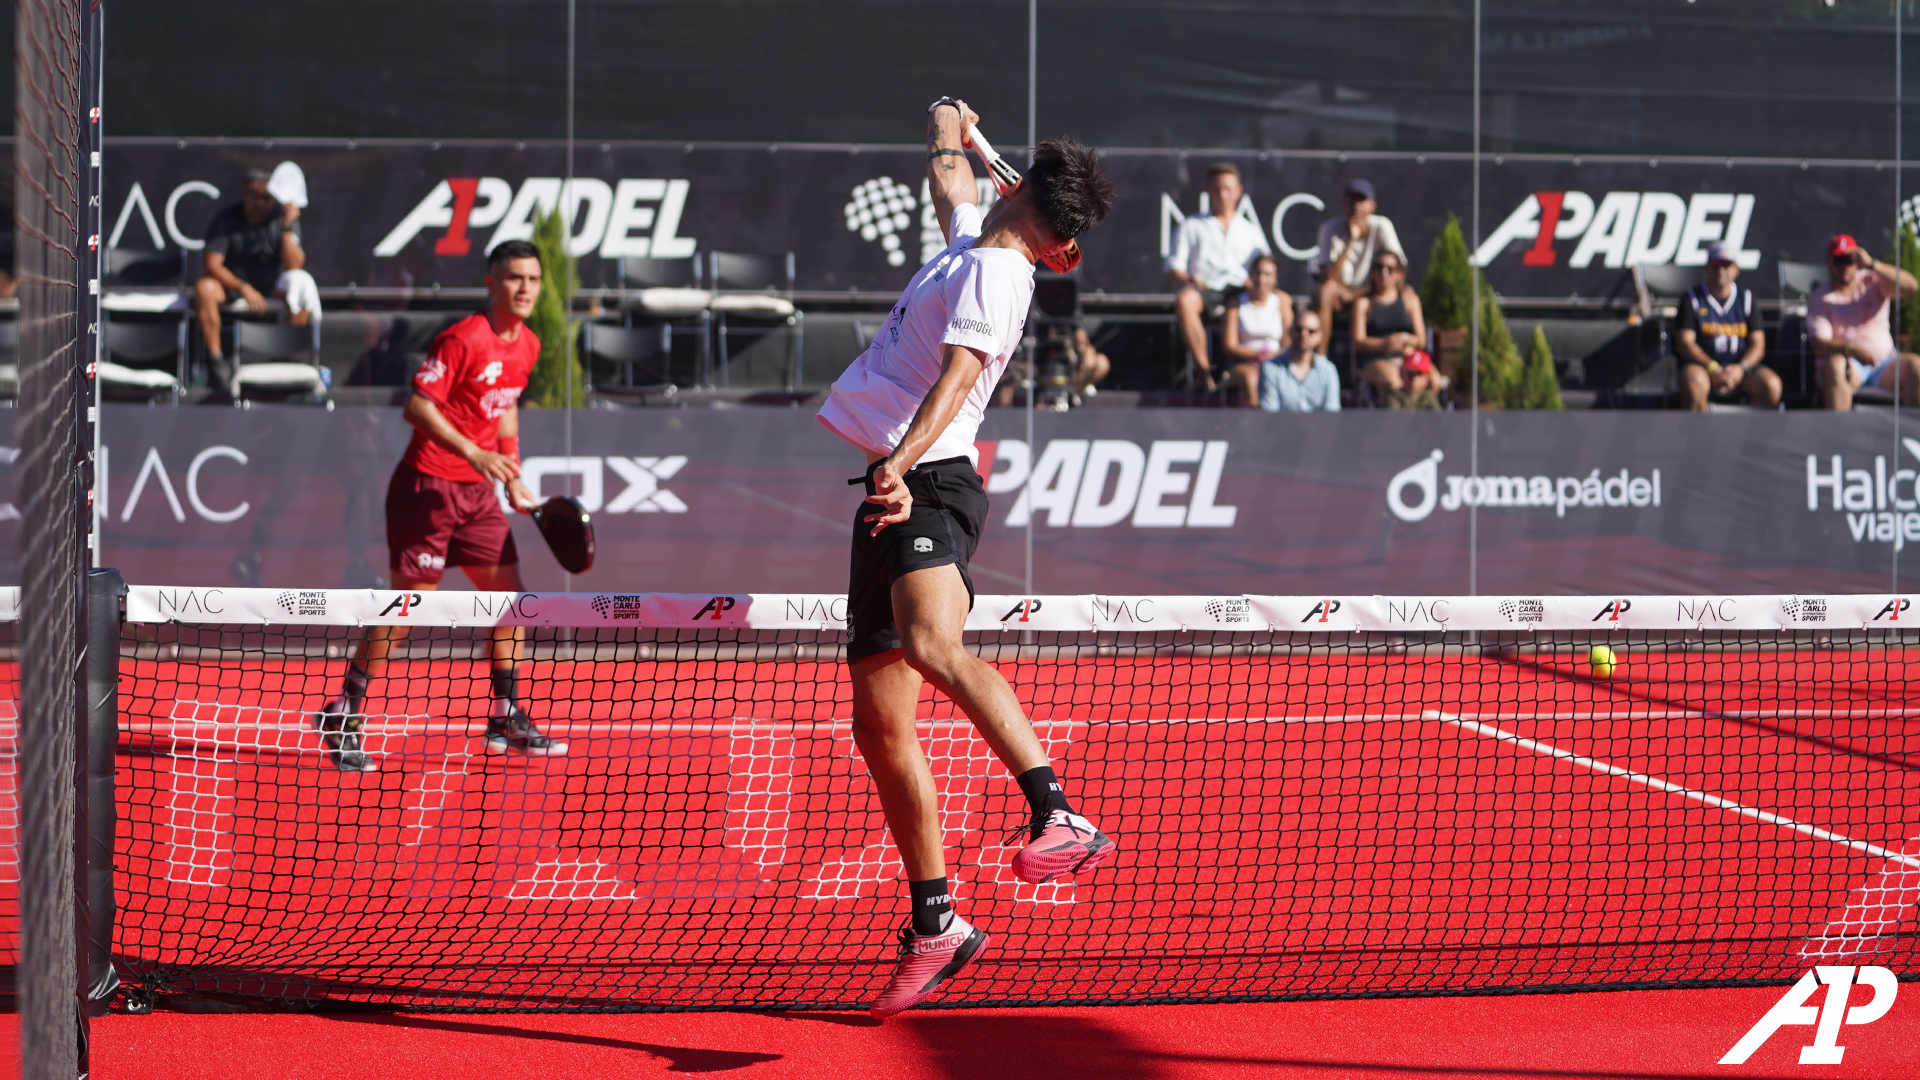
(1675, 789)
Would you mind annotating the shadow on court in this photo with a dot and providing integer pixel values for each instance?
(680, 1059)
(1067, 1047)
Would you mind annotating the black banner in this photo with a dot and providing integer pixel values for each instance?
(421, 216)
(1124, 501)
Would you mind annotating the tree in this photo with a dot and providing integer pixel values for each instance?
(1539, 386)
(1907, 257)
(550, 322)
(1446, 291)
(1498, 359)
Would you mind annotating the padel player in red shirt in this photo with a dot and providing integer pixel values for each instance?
(441, 508)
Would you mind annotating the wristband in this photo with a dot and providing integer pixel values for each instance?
(510, 446)
(943, 101)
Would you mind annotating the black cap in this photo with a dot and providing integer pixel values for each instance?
(1361, 188)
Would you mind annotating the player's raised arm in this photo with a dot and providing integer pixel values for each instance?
(960, 369)
(949, 174)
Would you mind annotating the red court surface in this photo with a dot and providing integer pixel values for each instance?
(1646, 1034)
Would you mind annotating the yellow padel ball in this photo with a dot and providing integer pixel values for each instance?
(1601, 662)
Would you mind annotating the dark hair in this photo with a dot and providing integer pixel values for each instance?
(1222, 168)
(511, 249)
(258, 176)
(1258, 259)
(1069, 188)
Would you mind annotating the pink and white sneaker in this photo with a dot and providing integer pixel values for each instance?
(1061, 844)
(926, 962)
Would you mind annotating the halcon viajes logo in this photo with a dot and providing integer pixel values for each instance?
(1415, 490)
(1882, 504)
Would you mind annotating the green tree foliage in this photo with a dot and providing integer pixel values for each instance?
(547, 386)
(1539, 386)
(1907, 257)
(1446, 291)
(1498, 358)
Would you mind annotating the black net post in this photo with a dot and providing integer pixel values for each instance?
(106, 607)
(54, 272)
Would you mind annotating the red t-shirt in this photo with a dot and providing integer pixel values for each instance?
(474, 377)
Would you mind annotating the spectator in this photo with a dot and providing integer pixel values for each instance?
(1388, 327)
(1210, 258)
(1300, 379)
(1847, 327)
(1255, 328)
(252, 252)
(1719, 342)
(1348, 247)
(1093, 365)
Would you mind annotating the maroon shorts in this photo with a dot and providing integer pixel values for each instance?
(433, 524)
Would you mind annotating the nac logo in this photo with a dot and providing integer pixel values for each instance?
(1826, 1019)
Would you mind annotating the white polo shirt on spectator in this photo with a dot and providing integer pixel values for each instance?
(1214, 257)
(1353, 267)
(975, 297)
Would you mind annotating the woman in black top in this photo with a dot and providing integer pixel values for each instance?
(1387, 325)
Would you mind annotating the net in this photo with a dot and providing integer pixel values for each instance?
(1315, 797)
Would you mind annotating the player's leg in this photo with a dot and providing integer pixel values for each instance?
(509, 727)
(341, 719)
(1762, 386)
(208, 297)
(1837, 376)
(1189, 306)
(930, 612)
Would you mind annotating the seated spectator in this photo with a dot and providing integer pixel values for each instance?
(1209, 260)
(1719, 342)
(1300, 379)
(1093, 365)
(1348, 246)
(1388, 327)
(252, 252)
(1255, 328)
(1847, 327)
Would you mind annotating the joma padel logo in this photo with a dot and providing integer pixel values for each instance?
(719, 605)
(1323, 609)
(405, 602)
(1613, 611)
(1792, 1010)
(1026, 609)
(1891, 612)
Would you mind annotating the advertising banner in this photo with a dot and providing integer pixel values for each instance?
(423, 215)
(1121, 502)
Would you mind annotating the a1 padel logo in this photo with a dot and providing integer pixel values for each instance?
(402, 605)
(1321, 610)
(1612, 611)
(1026, 609)
(719, 605)
(1891, 612)
(1826, 1019)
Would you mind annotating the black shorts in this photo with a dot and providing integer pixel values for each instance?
(949, 510)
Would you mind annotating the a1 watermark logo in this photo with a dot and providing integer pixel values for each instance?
(1793, 1010)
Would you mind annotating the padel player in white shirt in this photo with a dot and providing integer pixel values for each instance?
(912, 402)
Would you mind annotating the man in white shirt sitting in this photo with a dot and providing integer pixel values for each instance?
(1209, 263)
(1348, 244)
(1300, 379)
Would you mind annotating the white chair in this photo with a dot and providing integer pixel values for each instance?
(756, 290)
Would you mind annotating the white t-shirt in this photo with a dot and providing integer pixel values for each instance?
(977, 298)
(1260, 323)
(1215, 257)
(1353, 267)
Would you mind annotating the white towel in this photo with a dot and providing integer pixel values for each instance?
(301, 291)
(288, 184)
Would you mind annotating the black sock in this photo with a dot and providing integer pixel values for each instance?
(506, 684)
(354, 689)
(1043, 791)
(932, 907)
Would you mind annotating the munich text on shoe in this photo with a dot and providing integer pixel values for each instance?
(512, 731)
(926, 962)
(1061, 845)
(339, 729)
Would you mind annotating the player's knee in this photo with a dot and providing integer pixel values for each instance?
(1187, 301)
(208, 291)
(933, 655)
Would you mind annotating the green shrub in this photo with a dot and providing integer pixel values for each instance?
(1907, 257)
(1498, 359)
(1446, 290)
(1539, 386)
(547, 385)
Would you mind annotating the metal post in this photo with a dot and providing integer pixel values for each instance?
(1898, 252)
(1473, 340)
(106, 608)
(566, 244)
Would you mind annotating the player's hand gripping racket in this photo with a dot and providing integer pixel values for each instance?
(568, 531)
(1004, 179)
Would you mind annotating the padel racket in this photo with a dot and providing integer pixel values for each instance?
(1004, 180)
(568, 531)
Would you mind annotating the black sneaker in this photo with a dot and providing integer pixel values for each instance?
(339, 729)
(512, 730)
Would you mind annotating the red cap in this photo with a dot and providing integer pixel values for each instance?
(1417, 361)
(1840, 245)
